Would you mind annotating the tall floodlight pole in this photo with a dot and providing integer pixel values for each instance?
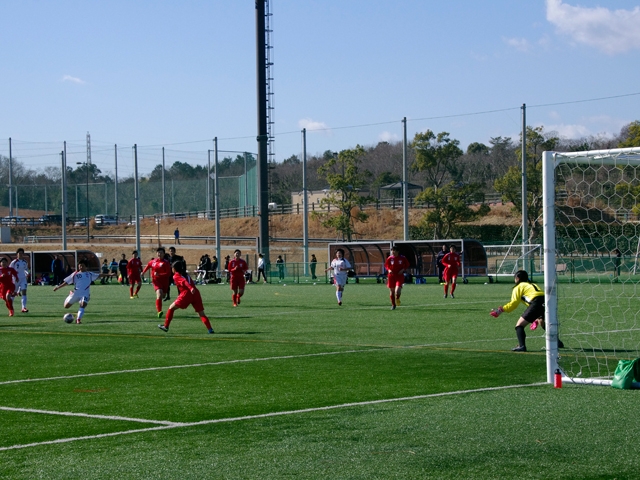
(208, 184)
(10, 180)
(246, 185)
(405, 183)
(136, 195)
(115, 192)
(216, 193)
(86, 219)
(525, 224)
(63, 195)
(263, 137)
(305, 205)
(164, 210)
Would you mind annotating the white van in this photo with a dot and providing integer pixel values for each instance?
(102, 220)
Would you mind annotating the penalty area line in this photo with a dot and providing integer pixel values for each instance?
(88, 415)
(270, 415)
(193, 365)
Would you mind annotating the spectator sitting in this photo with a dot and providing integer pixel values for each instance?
(203, 269)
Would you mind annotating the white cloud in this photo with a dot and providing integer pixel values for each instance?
(611, 31)
(388, 137)
(594, 125)
(69, 78)
(568, 131)
(521, 44)
(312, 125)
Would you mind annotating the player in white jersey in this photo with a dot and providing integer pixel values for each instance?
(340, 267)
(81, 294)
(19, 264)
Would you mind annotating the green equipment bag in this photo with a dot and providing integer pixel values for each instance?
(626, 372)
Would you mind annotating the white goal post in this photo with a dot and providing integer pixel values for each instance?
(588, 215)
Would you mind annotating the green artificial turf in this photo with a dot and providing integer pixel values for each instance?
(292, 385)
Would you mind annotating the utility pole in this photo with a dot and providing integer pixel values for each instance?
(63, 196)
(115, 150)
(305, 204)
(405, 183)
(525, 221)
(10, 180)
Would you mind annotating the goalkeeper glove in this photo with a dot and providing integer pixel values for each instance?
(534, 325)
(496, 312)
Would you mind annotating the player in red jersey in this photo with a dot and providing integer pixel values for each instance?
(451, 262)
(160, 276)
(237, 269)
(396, 266)
(8, 279)
(188, 294)
(134, 267)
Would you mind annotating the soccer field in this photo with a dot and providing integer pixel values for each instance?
(291, 384)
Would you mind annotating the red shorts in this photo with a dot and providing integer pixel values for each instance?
(187, 298)
(135, 279)
(238, 283)
(395, 280)
(164, 286)
(6, 288)
(449, 275)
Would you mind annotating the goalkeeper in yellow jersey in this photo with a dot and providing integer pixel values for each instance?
(532, 296)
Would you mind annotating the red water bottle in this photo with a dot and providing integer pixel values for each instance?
(557, 379)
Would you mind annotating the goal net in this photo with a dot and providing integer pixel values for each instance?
(591, 273)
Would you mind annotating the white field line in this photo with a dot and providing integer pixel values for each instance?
(194, 365)
(268, 415)
(285, 357)
(88, 415)
(249, 360)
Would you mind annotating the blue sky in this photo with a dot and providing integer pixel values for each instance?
(177, 74)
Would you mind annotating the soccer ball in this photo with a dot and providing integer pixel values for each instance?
(68, 318)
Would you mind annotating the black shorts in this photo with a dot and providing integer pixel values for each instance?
(535, 310)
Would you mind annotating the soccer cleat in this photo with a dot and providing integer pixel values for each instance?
(393, 307)
(211, 330)
(135, 295)
(519, 348)
(159, 314)
(445, 295)
(163, 328)
(131, 298)
(78, 321)
(167, 298)
(24, 310)
(11, 313)
(398, 302)
(452, 296)
(238, 301)
(340, 303)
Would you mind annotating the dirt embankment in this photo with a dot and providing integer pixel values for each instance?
(382, 225)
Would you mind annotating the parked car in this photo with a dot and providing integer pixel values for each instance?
(50, 220)
(81, 222)
(102, 220)
(15, 220)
